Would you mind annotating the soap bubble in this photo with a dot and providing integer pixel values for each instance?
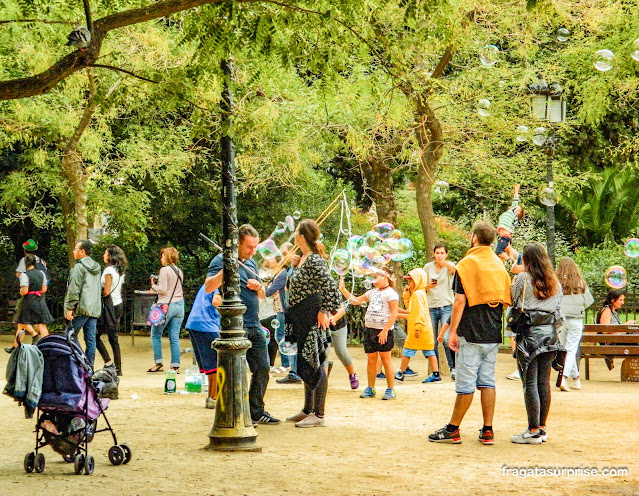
(372, 239)
(388, 248)
(290, 223)
(404, 250)
(287, 348)
(563, 34)
(396, 233)
(615, 277)
(489, 55)
(341, 261)
(635, 52)
(368, 253)
(368, 284)
(522, 133)
(540, 136)
(631, 248)
(354, 244)
(267, 334)
(297, 214)
(383, 229)
(363, 266)
(482, 107)
(275, 324)
(279, 229)
(268, 249)
(548, 197)
(603, 60)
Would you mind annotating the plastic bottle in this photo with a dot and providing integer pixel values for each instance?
(170, 381)
(192, 380)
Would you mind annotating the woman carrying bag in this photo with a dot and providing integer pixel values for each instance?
(169, 288)
(537, 297)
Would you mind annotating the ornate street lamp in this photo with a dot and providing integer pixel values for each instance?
(232, 428)
(548, 104)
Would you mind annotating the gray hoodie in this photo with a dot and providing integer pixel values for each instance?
(574, 305)
(84, 288)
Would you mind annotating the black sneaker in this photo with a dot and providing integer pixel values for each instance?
(289, 379)
(486, 437)
(9, 350)
(443, 436)
(267, 419)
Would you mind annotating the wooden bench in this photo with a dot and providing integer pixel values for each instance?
(601, 340)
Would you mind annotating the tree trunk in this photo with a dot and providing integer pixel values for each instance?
(380, 183)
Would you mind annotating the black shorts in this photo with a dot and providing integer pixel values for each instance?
(371, 342)
(205, 356)
(502, 244)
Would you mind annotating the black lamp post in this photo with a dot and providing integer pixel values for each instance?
(548, 104)
(232, 428)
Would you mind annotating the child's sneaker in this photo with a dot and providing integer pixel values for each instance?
(527, 437)
(399, 376)
(443, 436)
(369, 392)
(410, 373)
(486, 437)
(381, 375)
(389, 394)
(431, 378)
(354, 381)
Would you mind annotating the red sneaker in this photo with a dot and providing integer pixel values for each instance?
(486, 437)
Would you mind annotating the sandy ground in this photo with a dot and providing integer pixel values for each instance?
(369, 447)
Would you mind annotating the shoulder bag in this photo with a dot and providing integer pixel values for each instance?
(158, 311)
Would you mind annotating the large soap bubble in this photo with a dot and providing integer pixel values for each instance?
(489, 55)
(341, 261)
(290, 223)
(522, 133)
(267, 249)
(372, 239)
(631, 248)
(363, 266)
(615, 277)
(635, 50)
(383, 229)
(603, 60)
(396, 233)
(563, 34)
(540, 136)
(353, 245)
(404, 250)
(482, 107)
(548, 197)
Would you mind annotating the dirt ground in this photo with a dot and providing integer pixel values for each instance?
(369, 447)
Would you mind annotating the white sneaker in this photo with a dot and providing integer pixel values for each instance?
(526, 437)
(311, 421)
(514, 376)
(297, 417)
(576, 383)
(210, 403)
(564, 385)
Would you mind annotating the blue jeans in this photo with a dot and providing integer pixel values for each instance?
(173, 324)
(440, 315)
(257, 359)
(287, 361)
(88, 324)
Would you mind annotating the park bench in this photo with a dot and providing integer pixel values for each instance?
(600, 340)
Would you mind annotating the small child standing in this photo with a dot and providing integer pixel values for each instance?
(419, 327)
(506, 226)
(383, 304)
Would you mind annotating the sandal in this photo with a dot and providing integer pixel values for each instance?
(156, 368)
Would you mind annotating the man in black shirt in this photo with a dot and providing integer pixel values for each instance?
(482, 288)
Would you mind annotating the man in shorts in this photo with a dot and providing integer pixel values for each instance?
(482, 288)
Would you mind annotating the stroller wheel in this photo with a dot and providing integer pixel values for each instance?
(69, 458)
(78, 463)
(29, 462)
(128, 453)
(89, 465)
(116, 455)
(39, 463)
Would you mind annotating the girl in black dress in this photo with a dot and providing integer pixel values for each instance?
(34, 310)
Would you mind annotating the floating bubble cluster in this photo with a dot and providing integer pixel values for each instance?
(522, 133)
(489, 55)
(540, 135)
(603, 60)
(631, 248)
(615, 277)
(482, 107)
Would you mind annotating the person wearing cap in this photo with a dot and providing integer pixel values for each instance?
(30, 246)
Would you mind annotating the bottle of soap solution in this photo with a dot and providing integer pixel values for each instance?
(192, 380)
(170, 381)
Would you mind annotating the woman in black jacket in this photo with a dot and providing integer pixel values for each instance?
(538, 292)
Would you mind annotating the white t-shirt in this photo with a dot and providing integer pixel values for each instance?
(378, 311)
(21, 268)
(442, 294)
(116, 283)
(24, 279)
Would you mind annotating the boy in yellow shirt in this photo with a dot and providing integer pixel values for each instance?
(419, 328)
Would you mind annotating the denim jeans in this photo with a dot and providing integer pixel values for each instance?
(257, 359)
(287, 360)
(173, 324)
(439, 316)
(88, 325)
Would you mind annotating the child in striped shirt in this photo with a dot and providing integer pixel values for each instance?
(506, 226)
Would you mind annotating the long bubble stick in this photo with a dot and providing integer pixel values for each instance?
(214, 244)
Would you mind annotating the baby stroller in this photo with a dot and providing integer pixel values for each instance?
(69, 408)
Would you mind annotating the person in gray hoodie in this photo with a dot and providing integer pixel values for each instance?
(82, 303)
